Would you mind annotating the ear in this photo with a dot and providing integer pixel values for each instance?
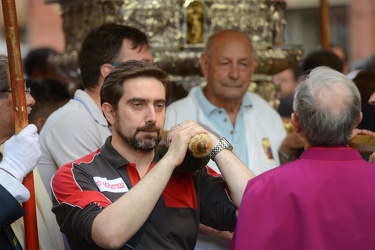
(295, 122)
(109, 113)
(105, 69)
(358, 120)
(203, 62)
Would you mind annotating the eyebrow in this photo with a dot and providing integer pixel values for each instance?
(138, 99)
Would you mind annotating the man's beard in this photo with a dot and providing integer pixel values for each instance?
(144, 144)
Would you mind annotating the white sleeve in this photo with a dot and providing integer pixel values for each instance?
(180, 111)
(68, 138)
(19, 191)
(72, 137)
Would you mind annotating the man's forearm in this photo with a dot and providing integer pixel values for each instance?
(122, 219)
(235, 172)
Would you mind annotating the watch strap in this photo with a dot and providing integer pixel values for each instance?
(223, 144)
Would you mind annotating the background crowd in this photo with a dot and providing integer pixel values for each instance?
(101, 181)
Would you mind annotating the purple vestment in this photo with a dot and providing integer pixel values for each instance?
(323, 200)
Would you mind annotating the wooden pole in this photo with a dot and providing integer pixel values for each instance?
(324, 24)
(20, 113)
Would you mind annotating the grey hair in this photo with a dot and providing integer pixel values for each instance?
(327, 105)
(4, 78)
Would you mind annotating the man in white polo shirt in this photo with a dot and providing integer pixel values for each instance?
(225, 107)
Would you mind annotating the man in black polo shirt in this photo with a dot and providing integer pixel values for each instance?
(124, 195)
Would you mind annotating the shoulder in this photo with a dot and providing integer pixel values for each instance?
(257, 100)
(262, 108)
(70, 118)
(260, 104)
(67, 170)
(68, 114)
(274, 178)
(72, 109)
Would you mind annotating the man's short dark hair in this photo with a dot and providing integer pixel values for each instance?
(113, 89)
(318, 58)
(102, 45)
(37, 59)
(49, 95)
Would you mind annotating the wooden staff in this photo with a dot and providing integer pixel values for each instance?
(20, 113)
(324, 24)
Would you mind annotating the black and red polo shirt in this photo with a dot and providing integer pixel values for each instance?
(83, 188)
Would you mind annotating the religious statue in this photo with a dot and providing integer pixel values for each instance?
(195, 23)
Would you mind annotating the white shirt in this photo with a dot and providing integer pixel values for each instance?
(263, 125)
(71, 132)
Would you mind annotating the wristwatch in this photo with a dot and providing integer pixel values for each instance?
(223, 144)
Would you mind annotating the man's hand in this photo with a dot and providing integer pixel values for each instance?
(21, 153)
(357, 131)
(291, 144)
(224, 235)
(372, 158)
(179, 138)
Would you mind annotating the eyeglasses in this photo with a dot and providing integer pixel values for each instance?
(27, 91)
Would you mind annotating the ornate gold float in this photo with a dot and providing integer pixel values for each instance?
(178, 30)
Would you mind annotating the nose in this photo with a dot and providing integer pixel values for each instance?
(151, 114)
(371, 100)
(234, 71)
(30, 101)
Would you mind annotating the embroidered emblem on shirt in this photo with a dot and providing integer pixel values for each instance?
(115, 186)
(267, 148)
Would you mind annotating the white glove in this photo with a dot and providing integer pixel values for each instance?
(21, 152)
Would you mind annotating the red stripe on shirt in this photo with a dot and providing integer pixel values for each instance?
(66, 189)
(180, 191)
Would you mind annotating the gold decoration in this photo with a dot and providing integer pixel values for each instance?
(195, 23)
(178, 30)
(288, 125)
